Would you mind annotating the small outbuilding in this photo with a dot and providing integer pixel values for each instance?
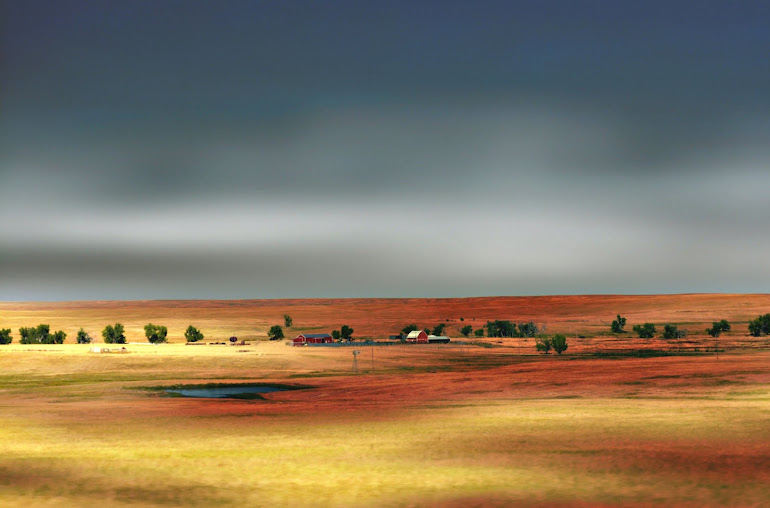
(312, 338)
(418, 337)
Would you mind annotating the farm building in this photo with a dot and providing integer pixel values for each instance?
(312, 338)
(438, 339)
(417, 336)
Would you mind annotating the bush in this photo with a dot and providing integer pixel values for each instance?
(155, 333)
(528, 329)
(439, 329)
(192, 334)
(83, 337)
(114, 334)
(479, 332)
(645, 331)
(466, 330)
(346, 332)
(5, 336)
(559, 343)
(287, 321)
(408, 328)
(618, 324)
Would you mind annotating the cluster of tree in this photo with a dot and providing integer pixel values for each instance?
(645, 331)
(717, 327)
(155, 333)
(83, 337)
(41, 334)
(760, 326)
(558, 342)
(344, 333)
(500, 328)
(5, 336)
(114, 334)
(673, 332)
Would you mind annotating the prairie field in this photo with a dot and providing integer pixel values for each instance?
(487, 423)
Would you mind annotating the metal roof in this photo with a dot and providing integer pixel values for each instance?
(315, 335)
(415, 333)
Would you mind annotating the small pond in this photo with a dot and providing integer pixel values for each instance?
(225, 392)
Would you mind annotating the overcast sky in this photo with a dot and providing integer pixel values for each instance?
(262, 149)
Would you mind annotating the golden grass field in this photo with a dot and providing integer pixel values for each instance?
(418, 426)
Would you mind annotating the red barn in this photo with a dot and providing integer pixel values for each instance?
(312, 338)
(417, 336)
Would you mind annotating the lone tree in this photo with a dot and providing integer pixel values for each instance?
(287, 321)
(645, 331)
(114, 334)
(559, 343)
(275, 332)
(439, 329)
(83, 337)
(155, 333)
(618, 324)
(5, 336)
(466, 330)
(192, 334)
(717, 327)
(346, 332)
(543, 345)
(336, 335)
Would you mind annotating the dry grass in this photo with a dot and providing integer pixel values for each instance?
(431, 426)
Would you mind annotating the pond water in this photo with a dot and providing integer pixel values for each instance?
(223, 392)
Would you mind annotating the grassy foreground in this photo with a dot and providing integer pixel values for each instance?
(430, 426)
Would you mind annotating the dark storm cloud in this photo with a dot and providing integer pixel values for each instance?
(538, 146)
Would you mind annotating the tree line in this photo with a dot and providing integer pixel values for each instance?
(112, 334)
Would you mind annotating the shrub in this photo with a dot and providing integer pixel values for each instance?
(5, 336)
(618, 324)
(408, 328)
(466, 330)
(645, 331)
(114, 334)
(439, 329)
(559, 343)
(479, 332)
(192, 334)
(287, 321)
